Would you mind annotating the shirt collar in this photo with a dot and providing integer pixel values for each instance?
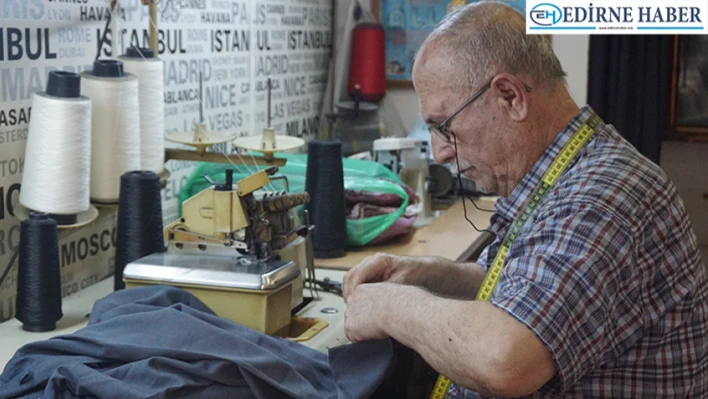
(507, 208)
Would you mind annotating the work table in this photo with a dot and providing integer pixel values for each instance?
(77, 307)
(449, 236)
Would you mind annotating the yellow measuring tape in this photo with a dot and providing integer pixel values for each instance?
(560, 163)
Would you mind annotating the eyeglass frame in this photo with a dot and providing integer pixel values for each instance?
(441, 128)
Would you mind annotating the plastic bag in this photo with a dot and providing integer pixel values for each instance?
(358, 175)
(362, 231)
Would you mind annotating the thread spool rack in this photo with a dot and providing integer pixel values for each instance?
(268, 143)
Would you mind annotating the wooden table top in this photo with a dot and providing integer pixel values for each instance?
(449, 236)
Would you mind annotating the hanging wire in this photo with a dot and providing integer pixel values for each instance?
(459, 180)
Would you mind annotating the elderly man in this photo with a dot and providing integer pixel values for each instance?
(602, 292)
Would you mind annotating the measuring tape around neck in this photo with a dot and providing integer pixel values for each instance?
(552, 174)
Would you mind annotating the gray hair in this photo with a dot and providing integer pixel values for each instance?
(489, 37)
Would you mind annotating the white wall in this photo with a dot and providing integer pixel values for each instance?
(572, 51)
(406, 103)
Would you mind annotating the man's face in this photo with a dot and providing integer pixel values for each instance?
(476, 131)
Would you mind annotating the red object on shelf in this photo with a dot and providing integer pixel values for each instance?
(367, 66)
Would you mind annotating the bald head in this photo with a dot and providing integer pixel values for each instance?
(495, 96)
(487, 38)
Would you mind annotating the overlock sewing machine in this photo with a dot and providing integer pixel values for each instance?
(242, 250)
(245, 254)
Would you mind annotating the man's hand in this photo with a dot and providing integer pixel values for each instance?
(365, 311)
(437, 275)
(384, 267)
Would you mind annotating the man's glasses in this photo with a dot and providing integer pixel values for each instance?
(442, 130)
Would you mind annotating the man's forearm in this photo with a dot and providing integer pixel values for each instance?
(451, 279)
(473, 343)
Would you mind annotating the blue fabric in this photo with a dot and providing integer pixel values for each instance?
(156, 342)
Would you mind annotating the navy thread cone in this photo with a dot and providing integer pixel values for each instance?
(39, 302)
(139, 227)
(325, 183)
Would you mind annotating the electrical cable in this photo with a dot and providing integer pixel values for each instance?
(459, 180)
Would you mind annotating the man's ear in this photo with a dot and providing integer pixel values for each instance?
(511, 96)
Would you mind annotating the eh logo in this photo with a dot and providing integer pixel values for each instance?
(546, 14)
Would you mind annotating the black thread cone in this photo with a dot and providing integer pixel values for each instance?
(325, 184)
(139, 220)
(38, 304)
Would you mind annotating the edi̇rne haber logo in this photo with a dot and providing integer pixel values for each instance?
(612, 17)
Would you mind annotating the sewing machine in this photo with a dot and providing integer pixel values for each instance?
(242, 250)
(244, 253)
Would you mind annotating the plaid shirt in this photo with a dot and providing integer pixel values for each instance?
(607, 274)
